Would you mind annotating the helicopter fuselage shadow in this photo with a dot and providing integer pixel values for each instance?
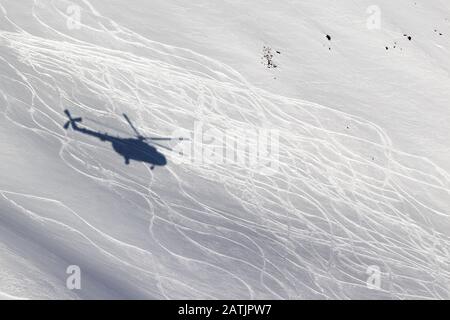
(136, 149)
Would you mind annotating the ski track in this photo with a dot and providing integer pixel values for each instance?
(310, 230)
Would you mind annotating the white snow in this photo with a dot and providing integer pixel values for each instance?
(362, 177)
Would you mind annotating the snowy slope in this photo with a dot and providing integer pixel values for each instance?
(357, 178)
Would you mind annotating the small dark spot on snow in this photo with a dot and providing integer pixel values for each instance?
(328, 37)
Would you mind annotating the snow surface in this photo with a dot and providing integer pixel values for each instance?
(362, 178)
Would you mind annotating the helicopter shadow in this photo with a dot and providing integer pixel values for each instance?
(139, 148)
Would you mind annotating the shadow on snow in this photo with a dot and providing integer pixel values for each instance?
(137, 149)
